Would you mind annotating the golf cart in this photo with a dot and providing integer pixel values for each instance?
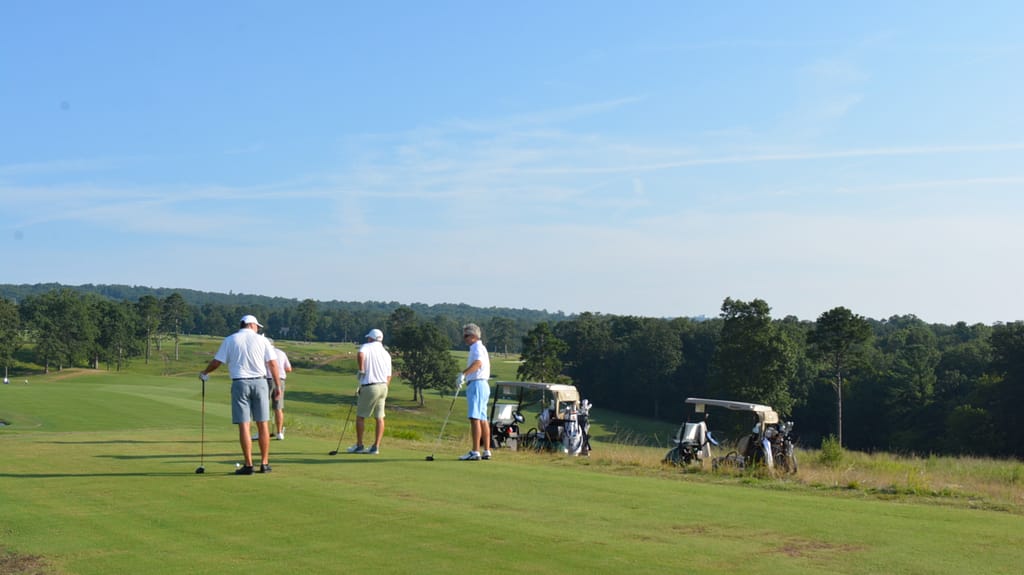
(768, 443)
(563, 422)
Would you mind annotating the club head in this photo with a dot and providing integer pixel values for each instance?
(335, 452)
(430, 458)
(200, 469)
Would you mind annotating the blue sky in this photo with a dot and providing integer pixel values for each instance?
(643, 158)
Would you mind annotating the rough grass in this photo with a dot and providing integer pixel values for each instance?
(18, 564)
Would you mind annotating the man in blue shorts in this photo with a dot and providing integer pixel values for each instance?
(250, 360)
(478, 391)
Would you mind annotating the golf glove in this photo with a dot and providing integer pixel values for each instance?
(461, 381)
(203, 377)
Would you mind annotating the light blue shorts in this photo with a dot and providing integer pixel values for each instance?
(478, 392)
(250, 400)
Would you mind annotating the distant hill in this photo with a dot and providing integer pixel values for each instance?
(18, 292)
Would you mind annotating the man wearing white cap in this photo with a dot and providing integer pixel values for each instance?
(284, 367)
(374, 379)
(251, 360)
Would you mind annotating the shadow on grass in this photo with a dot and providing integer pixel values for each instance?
(120, 441)
(324, 398)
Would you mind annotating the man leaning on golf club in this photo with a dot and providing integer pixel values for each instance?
(478, 391)
(250, 359)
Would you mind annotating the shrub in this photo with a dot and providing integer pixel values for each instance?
(831, 452)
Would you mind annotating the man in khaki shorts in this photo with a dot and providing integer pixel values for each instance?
(374, 379)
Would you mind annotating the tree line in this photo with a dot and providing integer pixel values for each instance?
(897, 384)
(95, 326)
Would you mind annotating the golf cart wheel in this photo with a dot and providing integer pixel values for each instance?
(789, 462)
(673, 457)
(531, 439)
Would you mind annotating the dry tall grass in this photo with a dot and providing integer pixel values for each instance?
(961, 481)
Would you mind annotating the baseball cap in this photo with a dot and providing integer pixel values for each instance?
(247, 319)
(375, 334)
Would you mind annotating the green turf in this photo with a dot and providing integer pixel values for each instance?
(97, 476)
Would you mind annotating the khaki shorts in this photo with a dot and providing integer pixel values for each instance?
(275, 403)
(371, 400)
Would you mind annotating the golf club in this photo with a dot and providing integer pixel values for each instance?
(443, 425)
(345, 427)
(202, 441)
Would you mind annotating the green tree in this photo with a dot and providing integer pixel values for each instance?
(652, 355)
(424, 359)
(118, 340)
(837, 336)
(541, 356)
(1007, 393)
(753, 360)
(63, 327)
(10, 327)
(501, 334)
(149, 312)
(401, 318)
(305, 319)
(913, 366)
(590, 342)
(175, 315)
(912, 358)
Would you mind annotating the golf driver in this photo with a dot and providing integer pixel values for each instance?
(443, 425)
(202, 441)
(345, 427)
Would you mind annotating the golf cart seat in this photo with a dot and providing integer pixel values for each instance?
(504, 414)
(696, 435)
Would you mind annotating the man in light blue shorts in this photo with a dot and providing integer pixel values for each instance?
(478, 392)
(250, 358)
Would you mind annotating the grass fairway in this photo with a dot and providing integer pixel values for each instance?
(97, 476)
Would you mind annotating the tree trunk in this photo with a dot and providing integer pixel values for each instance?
(839, 407)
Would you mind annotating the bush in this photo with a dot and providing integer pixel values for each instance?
(831, 452)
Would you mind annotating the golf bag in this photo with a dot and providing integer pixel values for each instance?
(572, 434)
(584, 420)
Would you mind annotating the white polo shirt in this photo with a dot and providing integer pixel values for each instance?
(376, 363)
(283, 365)
(478, 351)
(246, 354)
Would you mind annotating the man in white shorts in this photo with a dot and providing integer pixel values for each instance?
(250, 358)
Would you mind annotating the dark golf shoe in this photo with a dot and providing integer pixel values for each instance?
(244, 470)
(264, 468)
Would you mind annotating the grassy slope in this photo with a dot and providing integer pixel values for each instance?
(97, 477)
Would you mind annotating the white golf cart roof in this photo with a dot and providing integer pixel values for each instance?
(764, 412)
(553, 387)
(562, 397)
